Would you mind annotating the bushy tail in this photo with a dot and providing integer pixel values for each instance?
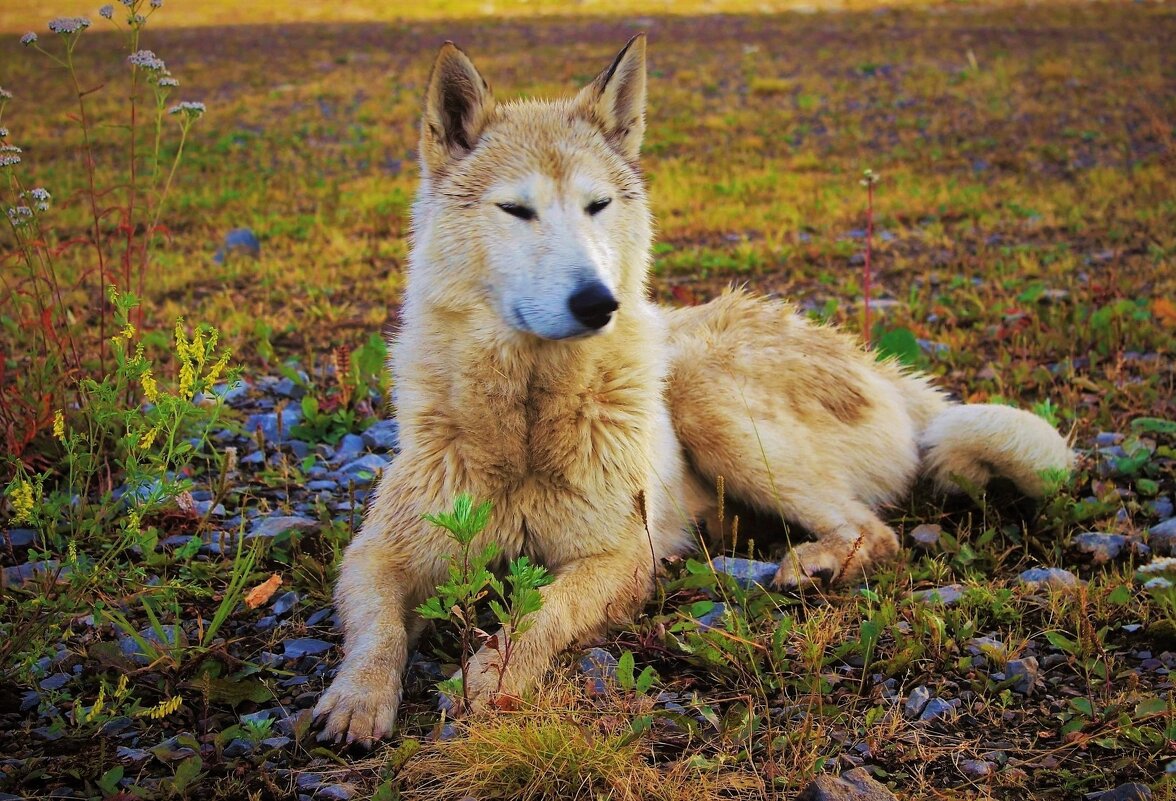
(979, 442)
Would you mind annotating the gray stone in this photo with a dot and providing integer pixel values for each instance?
(322, 485)
(238, 748)
(349, 447)
(746, 572)
(277, 524)
(1162, 538)
(319, 616)
(977, 768)
(18, 538)
(1100, 546)
(853, 785)
(298, 449)
(54, 682)
(1163, 508)
(364, 468)
(174, 635)
(986, 646)
(1051, 577)
(276, 742)
(937, 709)
(285, 603)
(289, 388)
(268, 423)
(132, 755)
(713, 617)
(600, 667)
(916, 701)
(336, 792)
(382, 436)
(304, 646)
(1125, 792)
(1026, 670)
(29, 571)
(240, 241)
(946, 595)
(926, 536)
(231, 394)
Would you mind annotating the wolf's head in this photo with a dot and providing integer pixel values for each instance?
(535, 209)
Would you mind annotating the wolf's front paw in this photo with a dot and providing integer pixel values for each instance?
(809, 565)
(357, 712)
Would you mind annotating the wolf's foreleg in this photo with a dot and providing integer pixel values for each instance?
(587, 595)
(850, 540)
(381, 581)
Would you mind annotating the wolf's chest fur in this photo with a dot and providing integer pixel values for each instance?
(554, 437)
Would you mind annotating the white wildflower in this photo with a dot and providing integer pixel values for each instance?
(168, 81)
(40, 196)
(128, 3)
(137, 19)
(156, 3)
(188, 108)
(28, 39)
(5, 94)
(68, 25)
(19, 215)
(1158, 583)
(106, 12)
(147, 60)
(3, 133)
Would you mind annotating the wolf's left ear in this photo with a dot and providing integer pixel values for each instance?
(458, 103)
(616, 99)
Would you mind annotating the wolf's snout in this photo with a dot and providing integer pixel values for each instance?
(593, 305)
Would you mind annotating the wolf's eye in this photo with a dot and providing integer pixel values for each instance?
(515, 210)
(597, 206)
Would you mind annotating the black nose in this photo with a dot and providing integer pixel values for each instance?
(593, 305)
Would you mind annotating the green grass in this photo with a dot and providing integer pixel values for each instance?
(1024, 221)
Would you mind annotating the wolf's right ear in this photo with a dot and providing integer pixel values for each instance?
(458, 104)
(615, 101)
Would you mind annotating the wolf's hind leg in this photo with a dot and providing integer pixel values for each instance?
(850, 540)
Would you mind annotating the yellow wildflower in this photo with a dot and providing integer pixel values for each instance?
(59, 425)
(148, 438)
(23, 499)
(71, 553)
(121, 690)
(218, 368)
(187, 379)
(196, 351)
(98, 703)
(127, 332)
(150, 387)
(163, 708)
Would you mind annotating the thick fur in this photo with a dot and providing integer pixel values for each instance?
(600, 448)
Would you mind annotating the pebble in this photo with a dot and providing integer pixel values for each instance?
(946, 595)
(937, 709)
(1162, 538)
(305, 646)
(285, 603)
(276, 742)
(746, 572)
(238, 747)
(1162, 508)
(364, 468)
(289, 388)
(382, 436)
(20, 574)
(131, 649)
(853, 785)
(277, 524)
(916, 702)
(977, 768)
(714, 616)
(926, 536)
(238, 240)
(55, 682)
(18, 538)
(1052, 577)
(349, 447)
(1100, 546)
(1026, 670)
(268, 423)
(600, 667)
(319, 616)
(1132, 791)
(132, 755)
(336, 792)
(322, 485)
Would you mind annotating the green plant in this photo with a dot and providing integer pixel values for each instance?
(470, 581)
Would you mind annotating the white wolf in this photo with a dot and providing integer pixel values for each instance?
(532, 371)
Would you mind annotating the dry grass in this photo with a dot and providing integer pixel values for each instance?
(564, 744)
